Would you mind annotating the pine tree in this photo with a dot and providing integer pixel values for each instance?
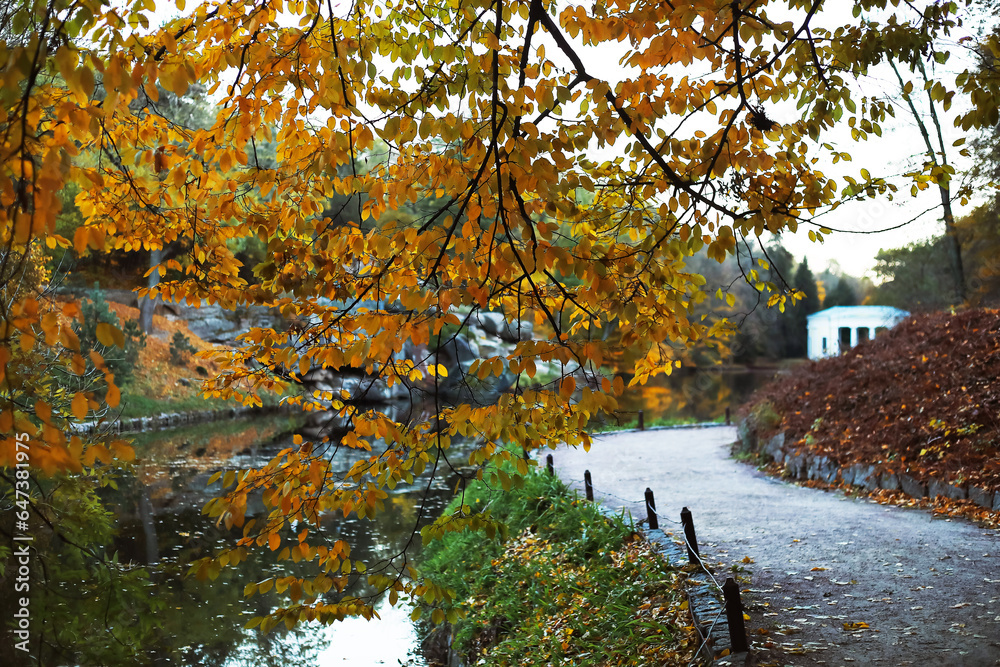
(805, 282)
(841, 295)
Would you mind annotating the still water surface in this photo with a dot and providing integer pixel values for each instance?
(161, 524)
(692, 395)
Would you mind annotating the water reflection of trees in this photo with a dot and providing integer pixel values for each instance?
(690, 395)
(160, 523)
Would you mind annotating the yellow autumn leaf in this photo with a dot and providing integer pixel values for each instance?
(122, 450)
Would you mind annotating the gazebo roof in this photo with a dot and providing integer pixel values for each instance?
(862, 311)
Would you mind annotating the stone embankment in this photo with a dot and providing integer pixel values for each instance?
(175, 419)
(801, 464)
(483, 336)
(210, 322)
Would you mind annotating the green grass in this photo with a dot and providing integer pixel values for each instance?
(627, 424)
(139, 405)
(570, 586)
(135, 405)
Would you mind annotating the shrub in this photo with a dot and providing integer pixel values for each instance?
(766, 416)
(569, 586)
(121, 362)
(181, 349)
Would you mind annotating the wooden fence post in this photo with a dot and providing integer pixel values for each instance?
(689, 536)
(642, 421)
(548, 464)
(588, 485)
(734, 615)
(651, 509)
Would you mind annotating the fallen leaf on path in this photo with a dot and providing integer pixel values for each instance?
(856, 625)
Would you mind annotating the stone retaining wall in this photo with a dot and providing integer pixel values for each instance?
(801, 464)
(177, 419)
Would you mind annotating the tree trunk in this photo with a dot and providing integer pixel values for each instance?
(954, 245)
(148, 305)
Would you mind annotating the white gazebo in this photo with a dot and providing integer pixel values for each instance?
(835, 330)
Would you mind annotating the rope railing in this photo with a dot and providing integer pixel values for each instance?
(692, 546)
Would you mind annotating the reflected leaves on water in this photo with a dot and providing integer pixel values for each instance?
(689, 395)
(160, 523)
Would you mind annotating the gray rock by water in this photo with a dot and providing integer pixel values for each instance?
(491, 323)
(518, 330)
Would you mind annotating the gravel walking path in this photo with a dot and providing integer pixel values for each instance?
(820, 563)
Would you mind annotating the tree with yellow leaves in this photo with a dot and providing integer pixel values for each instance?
(498, 113)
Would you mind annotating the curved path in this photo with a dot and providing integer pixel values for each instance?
(928, 589)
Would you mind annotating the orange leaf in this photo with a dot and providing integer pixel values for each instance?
(79, 405)
(105, 334)
(43, 411)
(113, 396)
(122, 450)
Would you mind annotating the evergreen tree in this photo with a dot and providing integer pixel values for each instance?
(841, 295)
(805, 282)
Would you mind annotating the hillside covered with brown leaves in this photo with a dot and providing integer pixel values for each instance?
(922, 399)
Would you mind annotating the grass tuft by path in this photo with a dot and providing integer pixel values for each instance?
(569, 587)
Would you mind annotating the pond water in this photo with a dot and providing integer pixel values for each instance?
(692, 395)
(160, 522)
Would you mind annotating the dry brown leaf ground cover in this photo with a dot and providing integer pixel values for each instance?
(922, 399)
(156, 377)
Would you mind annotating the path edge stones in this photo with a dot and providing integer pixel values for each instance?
(802, 465)
(168, 420)
(704, 601)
